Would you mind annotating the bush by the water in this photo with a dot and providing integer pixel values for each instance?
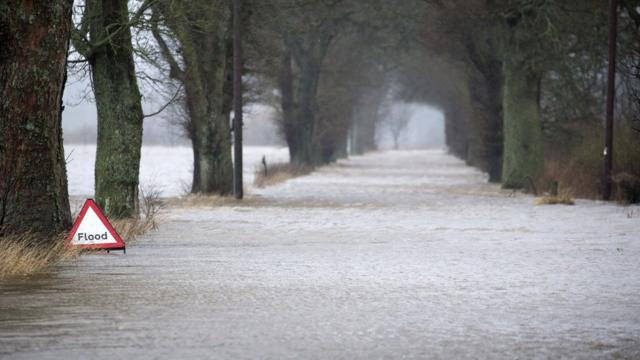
(578, 167)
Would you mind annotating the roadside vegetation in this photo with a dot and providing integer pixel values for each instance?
(27, 254)
(576, 165)
(279, 172)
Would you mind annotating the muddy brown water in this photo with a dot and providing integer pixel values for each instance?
(391, 255)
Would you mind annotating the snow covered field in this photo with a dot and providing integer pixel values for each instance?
(391, 255)
(164, 168)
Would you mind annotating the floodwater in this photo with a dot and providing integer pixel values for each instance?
(403, 254)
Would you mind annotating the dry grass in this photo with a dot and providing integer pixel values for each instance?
(150, 207)
(199, 200)
(25, 255)
(280, 172)
(130, 229)
(562, 199)
(578, 168)
(21, 257)
(583, 180)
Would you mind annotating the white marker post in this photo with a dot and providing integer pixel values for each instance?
(92, 230)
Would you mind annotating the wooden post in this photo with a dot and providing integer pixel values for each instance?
(611, 95)
(237, 101)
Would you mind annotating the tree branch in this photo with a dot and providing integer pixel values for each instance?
(174, 69)
(173, 98)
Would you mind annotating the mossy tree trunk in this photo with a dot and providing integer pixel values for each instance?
(201, 30)
(118, 103)
(523, 152)
(300, 90)
(34, 37)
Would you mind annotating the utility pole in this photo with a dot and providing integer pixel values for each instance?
(611, 96)
(237, 101)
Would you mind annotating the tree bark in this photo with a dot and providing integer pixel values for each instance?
(288, 104)
(33, 182)
(456, 129)
(485, 147)
(201, 30)
(307, 92)
(523, 154)
(300, 92)
(485, 88)
(118, 103)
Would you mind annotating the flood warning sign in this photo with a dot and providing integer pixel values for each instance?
(92, 230)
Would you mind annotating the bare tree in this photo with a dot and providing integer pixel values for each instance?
(396, 122)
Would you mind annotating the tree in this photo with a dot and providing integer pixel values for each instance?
(201, 63)
(466, 33)
(396, 122)
(33, 182)
(109, 52)
(306, 30)
(542, 38)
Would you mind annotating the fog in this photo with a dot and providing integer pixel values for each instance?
(424, 127)
(79, 121)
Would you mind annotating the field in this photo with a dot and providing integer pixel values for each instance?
(167, 169)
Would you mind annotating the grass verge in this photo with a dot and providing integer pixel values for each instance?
(25, 254)
(279, 172)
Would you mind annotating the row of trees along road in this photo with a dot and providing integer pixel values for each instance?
(514, 79)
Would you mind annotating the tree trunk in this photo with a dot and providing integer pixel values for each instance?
(210, 141)
(365, 118)
(523, 157)
(456, 131)
(299, 97)
(485, 88)
(493, 135)
(212, 134)
(118, 102)
(485, 147)
(288, 104)
(201, 30)
(33, 182)
(305, 123)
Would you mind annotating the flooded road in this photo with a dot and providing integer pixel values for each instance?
(392, 255)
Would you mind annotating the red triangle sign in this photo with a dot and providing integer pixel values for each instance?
(92, 230)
